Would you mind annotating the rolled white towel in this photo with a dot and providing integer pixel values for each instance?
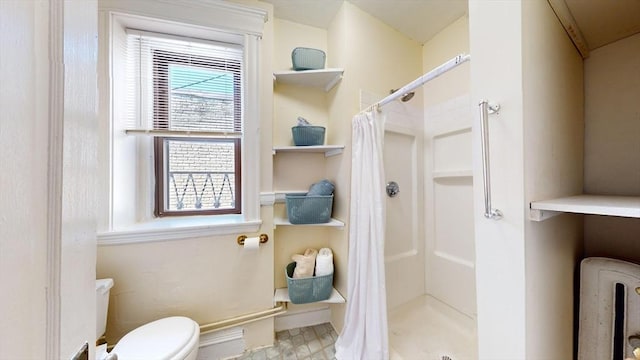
(324, 262)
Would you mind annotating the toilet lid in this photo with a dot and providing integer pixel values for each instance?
(164, 339)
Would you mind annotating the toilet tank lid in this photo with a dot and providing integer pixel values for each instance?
(104, 285)
(164, 339)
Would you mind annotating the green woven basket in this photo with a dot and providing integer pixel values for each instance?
(308, 135)
(307, 290)
(309, 209)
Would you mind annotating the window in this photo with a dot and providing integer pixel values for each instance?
(188, 94)
(167, 85)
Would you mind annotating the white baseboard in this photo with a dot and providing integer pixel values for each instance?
(302, 318)
(221, 344)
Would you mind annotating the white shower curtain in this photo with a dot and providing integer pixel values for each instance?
(364, 336)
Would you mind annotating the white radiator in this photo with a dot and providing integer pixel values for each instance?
(609, 327)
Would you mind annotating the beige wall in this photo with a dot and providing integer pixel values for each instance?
(612, 144)
(296, 172)
(208, 279)
(293, 101)
(553, 152)
(377, 66)
(376, 59)
(212, 279)
(448, 43)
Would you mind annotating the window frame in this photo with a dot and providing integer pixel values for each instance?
(160, 177)
(128, 173)
(161, 60)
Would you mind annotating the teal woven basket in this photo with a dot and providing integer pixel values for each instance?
(308, 135)
(309, 209)
(303, 58)
(307, 290)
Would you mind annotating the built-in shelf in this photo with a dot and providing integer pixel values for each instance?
(282, 295)
(452, 174)
(625, 206)
(281, 196)
(323, 78)
(285, 222)
(328, 150)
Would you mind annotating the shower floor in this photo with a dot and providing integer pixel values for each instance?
(422, 329)
(427, 329)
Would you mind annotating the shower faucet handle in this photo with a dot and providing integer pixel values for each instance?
(393, 189)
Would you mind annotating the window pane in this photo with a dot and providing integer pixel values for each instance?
(201, 98)
(200, 174)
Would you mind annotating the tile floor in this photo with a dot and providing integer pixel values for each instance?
(422, 329)
(307, 343)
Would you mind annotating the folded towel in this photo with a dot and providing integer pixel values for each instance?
(324, 262)
(305, 264)
(322, 187)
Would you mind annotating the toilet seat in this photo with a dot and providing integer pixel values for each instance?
(171, 338)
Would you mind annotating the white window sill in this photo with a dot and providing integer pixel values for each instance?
(178, 228)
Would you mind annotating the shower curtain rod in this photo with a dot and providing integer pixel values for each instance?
(424, 79)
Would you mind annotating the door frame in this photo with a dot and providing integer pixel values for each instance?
(54, 177)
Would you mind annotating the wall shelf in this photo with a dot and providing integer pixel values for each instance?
(624, 206)
(282, 295)
(328, 150)
(452, 174)
(323, 78)
(285, 222)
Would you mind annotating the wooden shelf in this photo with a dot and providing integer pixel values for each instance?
(285, 222)
(625, 206)
(323, 78)
(282, 295)
(328, 150)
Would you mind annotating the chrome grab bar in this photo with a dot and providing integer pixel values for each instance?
(485, 109)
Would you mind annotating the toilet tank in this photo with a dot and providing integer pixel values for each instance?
(103, 287)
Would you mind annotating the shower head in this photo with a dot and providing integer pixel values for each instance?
(406, 97)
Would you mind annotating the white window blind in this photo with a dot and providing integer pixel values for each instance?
(182, 86)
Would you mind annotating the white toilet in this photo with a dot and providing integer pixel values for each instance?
(171, 338)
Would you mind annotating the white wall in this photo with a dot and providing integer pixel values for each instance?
(79, 175)
(525, 270)
(48, 126)
(495, 30)
(612, 144)
(450, 250)
(24, 126)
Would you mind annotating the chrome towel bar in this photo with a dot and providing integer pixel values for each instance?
(485, 109)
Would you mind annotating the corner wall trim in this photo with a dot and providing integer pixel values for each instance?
(569, 23)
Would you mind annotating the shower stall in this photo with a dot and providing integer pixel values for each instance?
(429, 235)
(429, 248)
